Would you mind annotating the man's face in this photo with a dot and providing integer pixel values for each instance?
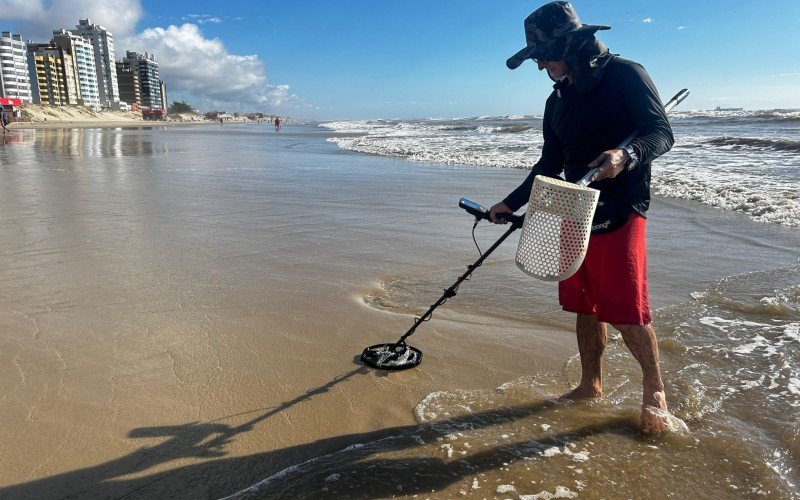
(556, 69)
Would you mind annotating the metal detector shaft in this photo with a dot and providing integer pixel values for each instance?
(516, 223)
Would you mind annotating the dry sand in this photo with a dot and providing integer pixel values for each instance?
(50, 117)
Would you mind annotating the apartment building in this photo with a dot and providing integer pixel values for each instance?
(163, 88)
(14, 74)
(146, 68)
(47, 74)
(85, 71)
(102, 42)
(129, 89)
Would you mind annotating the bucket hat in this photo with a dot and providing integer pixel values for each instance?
(551, 31)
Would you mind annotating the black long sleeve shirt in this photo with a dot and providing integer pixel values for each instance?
(578, 127)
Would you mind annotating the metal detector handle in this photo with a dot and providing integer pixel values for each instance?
(676, 99)
(587, 179)
(480, 212)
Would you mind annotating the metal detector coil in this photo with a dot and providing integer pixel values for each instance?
(391, 356)
(556, 232)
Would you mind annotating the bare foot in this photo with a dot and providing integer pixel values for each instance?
(655, 417)
(580, 393)
(654, 420)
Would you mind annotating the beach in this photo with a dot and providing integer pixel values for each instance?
(38, 116)
(182, 309)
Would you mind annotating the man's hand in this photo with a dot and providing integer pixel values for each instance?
(611, 163)
(499, 208)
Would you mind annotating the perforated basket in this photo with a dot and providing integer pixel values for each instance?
(557, 227)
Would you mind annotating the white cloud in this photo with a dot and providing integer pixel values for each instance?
(23, 9)
(681, 28)
(193, 66)
(204, 69)
(36, 19)
(203, 18)
(647, 20)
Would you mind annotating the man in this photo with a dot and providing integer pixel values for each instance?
(4, 119)
(598, 100)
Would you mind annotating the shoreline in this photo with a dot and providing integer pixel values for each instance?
(100, 124)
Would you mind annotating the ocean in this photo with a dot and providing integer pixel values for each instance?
(746, 161)
(181, 311)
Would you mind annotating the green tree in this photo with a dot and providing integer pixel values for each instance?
(180, 107)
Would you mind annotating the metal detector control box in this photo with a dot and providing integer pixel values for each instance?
(473, 208)
(481, 212)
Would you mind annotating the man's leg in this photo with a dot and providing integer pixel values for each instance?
(592, 337)
(641, 341)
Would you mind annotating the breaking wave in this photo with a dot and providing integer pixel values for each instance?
(737, 160)
(755, 142)
(740, 115)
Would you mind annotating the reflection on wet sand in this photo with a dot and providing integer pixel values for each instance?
(13, 138)
(98, 143)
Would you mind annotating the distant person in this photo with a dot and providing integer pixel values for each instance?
(598, 100)
(277, 123)
(220, 121)
(4, 119)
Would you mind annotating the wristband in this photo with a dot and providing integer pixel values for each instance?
(633, 158)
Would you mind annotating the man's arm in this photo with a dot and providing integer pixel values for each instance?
(550, 164)
(653, 132)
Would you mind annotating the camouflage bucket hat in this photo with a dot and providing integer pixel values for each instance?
(550, 33)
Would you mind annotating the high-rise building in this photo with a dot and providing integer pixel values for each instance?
(70, 69)
(85, 71)
(128, 80)
(47, 76)
(104, 60)
(146, 68)
(14, 75)
(163, 88)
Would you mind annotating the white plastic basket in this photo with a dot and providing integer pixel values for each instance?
(557, 227)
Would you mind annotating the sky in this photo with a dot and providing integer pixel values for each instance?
(360, 59)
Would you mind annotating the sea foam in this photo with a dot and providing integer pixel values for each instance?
(737, 160)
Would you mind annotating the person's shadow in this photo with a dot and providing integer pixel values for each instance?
(126, 476)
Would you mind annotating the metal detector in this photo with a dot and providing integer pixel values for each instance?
(399, 355)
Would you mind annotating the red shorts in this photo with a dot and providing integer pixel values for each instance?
(612, 281)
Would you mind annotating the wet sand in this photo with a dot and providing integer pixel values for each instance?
(180, 309)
